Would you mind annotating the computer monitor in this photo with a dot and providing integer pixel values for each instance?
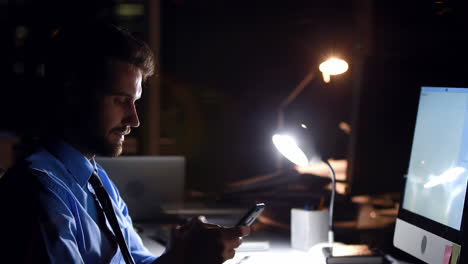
(430, 221)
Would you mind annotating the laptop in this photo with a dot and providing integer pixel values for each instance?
(149, 185)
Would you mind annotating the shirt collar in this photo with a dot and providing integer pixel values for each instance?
(74, 161)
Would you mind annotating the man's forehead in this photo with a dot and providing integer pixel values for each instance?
(125, 78)
(116, 66)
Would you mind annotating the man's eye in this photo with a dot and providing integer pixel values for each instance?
(121, 99)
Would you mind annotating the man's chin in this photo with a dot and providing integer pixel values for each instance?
(110, 150)
(117, 151)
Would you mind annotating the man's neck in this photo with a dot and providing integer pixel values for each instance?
(80, 147)
(89, 156)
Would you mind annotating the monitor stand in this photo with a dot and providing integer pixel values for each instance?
(419, 242)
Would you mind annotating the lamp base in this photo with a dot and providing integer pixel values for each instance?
(352, 254)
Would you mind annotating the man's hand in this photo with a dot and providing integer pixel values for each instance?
(199, 242)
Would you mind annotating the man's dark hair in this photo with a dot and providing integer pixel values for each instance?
(82, 51)
(77, 69)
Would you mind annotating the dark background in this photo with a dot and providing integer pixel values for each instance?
(226, 65)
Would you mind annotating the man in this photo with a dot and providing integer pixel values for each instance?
(54, 206)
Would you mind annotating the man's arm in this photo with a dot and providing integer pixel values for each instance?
(39, 227)
(20, 238)
(58, 234)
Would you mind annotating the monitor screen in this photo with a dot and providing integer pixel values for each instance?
(429, 223)
(437, 173)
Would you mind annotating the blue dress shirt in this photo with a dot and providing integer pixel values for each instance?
(69, 221)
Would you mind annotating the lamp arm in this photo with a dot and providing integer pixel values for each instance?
(332, 202)
(307, 79)
(286, 101)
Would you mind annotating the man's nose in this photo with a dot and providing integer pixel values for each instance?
(132, 117)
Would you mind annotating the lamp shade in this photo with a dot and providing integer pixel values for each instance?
(288, 147)
(297, 146)
(333, 66)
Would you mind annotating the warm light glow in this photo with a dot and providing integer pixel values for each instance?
(446, 177)
(326, 77)
(345, 127)
(317, 168)
(332, 66)
(303, 126)
(287, 146)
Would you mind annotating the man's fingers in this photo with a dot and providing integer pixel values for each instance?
(202, 218)
(195, 223)
(207, 225)
(233, 243)
(198, 241)
(189, 224)
(228, 254)
(229, 246)
(245, 230)
(234, 232)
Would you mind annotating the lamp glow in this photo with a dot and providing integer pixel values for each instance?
(287, 146)
(332, 66)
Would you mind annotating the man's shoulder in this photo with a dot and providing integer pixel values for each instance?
(38, 174)
(44, 169)
(43, 160)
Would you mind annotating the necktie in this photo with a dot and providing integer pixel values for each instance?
(106, 204)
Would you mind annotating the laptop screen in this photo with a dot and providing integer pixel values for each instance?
(148, 184)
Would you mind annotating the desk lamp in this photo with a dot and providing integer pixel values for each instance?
(296, 153)
(288, 147)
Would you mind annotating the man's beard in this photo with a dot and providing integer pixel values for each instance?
(88, 132)
(110, 149)
(100, 144)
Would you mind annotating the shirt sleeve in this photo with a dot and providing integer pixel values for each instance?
(57, 224)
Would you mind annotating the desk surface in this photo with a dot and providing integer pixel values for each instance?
(279, 250)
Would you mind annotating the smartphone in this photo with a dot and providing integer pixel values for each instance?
(251, 215)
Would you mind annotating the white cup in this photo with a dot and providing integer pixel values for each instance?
(308, 228)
